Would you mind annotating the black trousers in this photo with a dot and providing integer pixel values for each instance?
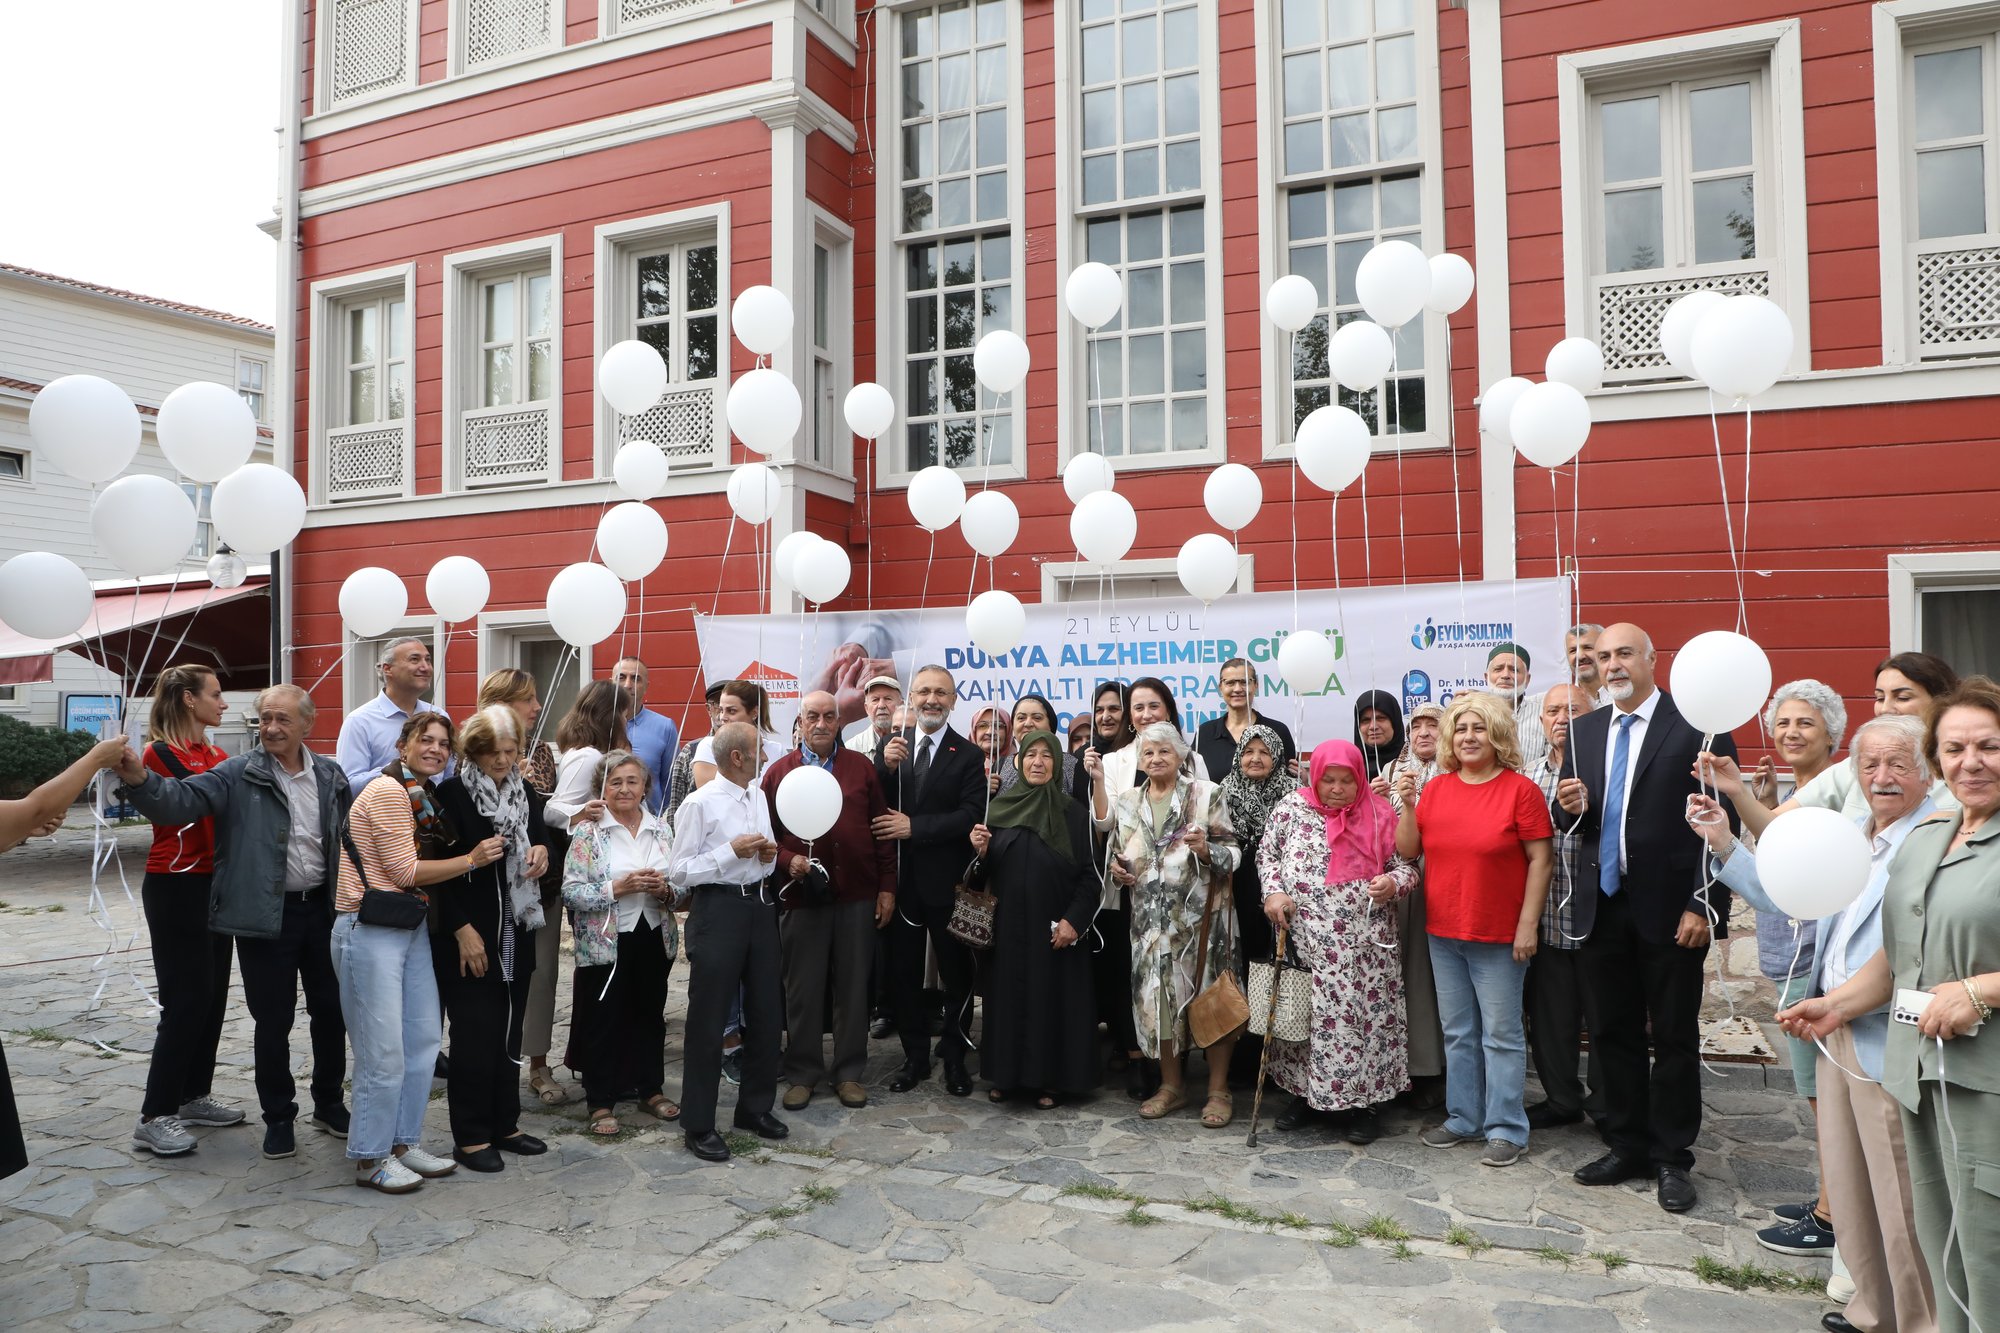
(620, 1040)
(1558, 1008)
(732, 945)
(1648, 1115)
(191, 975)
(272, 973)
(1111, 977)
(923, 913)
(483, 1093)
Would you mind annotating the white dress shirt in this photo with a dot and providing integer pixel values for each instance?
(576, 786)
(710, 819)
(305, 849)
(1643, 718)
(625, 852)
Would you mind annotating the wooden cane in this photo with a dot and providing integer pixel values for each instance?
(1270, 1017)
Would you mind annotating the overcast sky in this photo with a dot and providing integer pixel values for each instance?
(141, 145)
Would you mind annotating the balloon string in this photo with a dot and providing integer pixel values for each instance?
(1728, 520)
(1394, 409)
(1457, 503)
(1742, 608)
(1291, 356)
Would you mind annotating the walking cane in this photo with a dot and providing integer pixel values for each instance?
(1270, 1017)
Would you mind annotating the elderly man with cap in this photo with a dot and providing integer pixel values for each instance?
(1507, 676)
(880, 697)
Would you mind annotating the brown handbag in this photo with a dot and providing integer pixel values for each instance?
(972, 907)
(1220, 1010)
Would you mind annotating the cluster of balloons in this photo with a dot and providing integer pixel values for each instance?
(88, 427)
(1737, 345)
(1547, 422)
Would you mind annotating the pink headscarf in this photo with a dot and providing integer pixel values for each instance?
(1359, 836)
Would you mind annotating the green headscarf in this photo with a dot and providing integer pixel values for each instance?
(1041, 808)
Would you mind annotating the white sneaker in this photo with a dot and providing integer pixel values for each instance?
(425, 1165)
(162, 1136)
(1839, 1287)
(388, 1175)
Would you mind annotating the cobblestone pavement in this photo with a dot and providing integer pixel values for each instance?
(919, 1210)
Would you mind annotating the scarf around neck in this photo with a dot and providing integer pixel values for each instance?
(1251, 801)
(506, 805)
(1359, 835)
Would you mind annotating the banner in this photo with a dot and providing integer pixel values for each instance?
(1423, 643)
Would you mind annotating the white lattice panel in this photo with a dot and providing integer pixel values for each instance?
(365, 461)
(682, 424)
(632, 12)
(498, 29)
(509, 445)
(1629, 315)
(1958, 301)
(371, 47)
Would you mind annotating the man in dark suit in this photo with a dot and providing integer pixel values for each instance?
(1625, 781)
(935, 782)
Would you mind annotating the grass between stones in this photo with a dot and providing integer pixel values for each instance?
(1466, 1239)
(1613, 1260)
(1743, 1277)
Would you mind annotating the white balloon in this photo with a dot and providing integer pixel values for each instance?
(1577, 362)
(639, 470)
(1549, 423)
(1086, 474)
(226, 569)
(937, 497)
(762, 319)
(1291, 303)
(457, 588)
(85, 425)
(808, 801)
(996, 622)
(44, 596)
(1741, 346)
(1000, 360)
(1720, 681)
(206, 430)
(1093, 292)
(1305, 660)
(823, 576)
(870, 411)
(1393, 281)
(990, 523)
(1496, 407)
(631, 376)
(753, 493)
(632, 539)
(586, 602)
(1678, 325)
(1233, 496)
(257, 508)
(146, 524)
(1451, 284)
(1360, 354)
(1813, 862)
(372, 600)
(1103, 527)
(785, 555)
(764, 410)
(1206, 566)
(1333, 446)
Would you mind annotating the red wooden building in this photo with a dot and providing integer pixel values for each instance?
(485, 194)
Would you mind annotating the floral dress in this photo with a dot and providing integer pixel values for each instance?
(1167, 903)
(1357, 1054)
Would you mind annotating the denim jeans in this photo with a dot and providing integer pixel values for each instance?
(390, 999)
(1485, 1042)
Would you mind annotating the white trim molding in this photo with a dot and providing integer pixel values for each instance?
(1061, 575)
(323, 336)
(459, 359)
(1911, 575)
(1493, 295)
(326, 56)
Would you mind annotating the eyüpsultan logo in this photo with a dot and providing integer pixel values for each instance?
(1416, 690)
(1452, 634)
(1424, 635)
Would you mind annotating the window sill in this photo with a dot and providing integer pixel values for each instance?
(1970, 377)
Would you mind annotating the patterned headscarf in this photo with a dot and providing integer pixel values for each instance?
(506, 804)
(1360, 835)
(1250, 800)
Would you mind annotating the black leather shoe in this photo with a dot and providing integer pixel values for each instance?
(1296, 1116)
(883, 1026)
(486, 1159)
(706, 1144)
(442, 1068)
(527, 1145)
(1610, 1169)
(1543, 1116)
(956, 1081)
(1676, 1190)
(908, 1076)
(763, 1124)
(1363, 1126)
(1836, 1322)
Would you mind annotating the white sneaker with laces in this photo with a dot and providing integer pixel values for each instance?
(389, 1176)
(162, 1136)
(425, 1165)
(1839, 1287)
(208, 1111)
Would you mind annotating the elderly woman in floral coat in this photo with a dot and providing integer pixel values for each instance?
(1171, 841)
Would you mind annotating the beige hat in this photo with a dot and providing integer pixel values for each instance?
(890, 681)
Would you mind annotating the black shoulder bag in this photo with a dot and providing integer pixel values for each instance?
(385, 907)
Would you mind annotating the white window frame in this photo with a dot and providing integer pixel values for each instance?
(326, 381)
(1911, 574)
(1274, 236)
(609, 23)
(1068, 583)
(361, 680)
(497, 630)
(323, 99)
(465, 274)
(616, 244)
(461, 32)
(1072, 367)
(27, 462)
(201, 495)
(892, 470)
(829, 444)
(1581, 78)
(261, 413)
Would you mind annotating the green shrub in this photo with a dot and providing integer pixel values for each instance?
(30, 756)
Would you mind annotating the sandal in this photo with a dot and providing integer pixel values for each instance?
(1218, 1111)
(996, 1095)
(542, 1082)
(604, 1124)
(660, 1108)
(1163, 1103)
(1046, 1102)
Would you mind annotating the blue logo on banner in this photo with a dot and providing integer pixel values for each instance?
(1424, 635)
(1416, 690)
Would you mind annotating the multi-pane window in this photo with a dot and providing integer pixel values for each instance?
(204, 532)
(375, 371)
(954, 290)
(1677, 171)
(250, 377)
(13, 465)
(1141, 111)
(1350, 83)
(675, 304)
(1330, 228)
(516, 328)
(1952, 96)
(823, 411)
(1148, 376)
(955, 89)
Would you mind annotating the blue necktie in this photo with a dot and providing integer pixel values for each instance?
(1612, 829)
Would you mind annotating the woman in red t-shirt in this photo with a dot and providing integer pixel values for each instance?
(190, 962)
(1484, 832)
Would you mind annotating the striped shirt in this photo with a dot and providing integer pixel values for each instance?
(385, 836)
(1559, 907)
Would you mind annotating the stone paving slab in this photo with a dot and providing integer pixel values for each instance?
(919, 1211)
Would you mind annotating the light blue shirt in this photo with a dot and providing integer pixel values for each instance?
(655, 739)
(368, 738)
(806, 756)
